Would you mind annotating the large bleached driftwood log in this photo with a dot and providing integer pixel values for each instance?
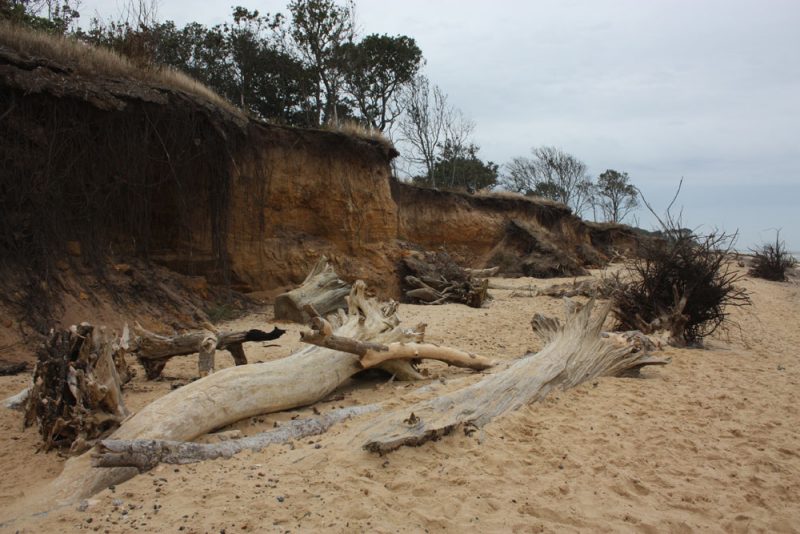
(574, 353)
(153, 350)
(235, 393)
(321, 289)
(76, 392)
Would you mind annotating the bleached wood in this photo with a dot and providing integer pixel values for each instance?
(144, 454)
(322, 289)
(238, 392)
(574, 353)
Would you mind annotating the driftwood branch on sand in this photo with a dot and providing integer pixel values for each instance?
(154, 350)
(575, 352)
(372, 354)
(144, 454)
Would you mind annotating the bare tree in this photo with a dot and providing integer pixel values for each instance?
(457, 131)
(551, 173)
(422, 126)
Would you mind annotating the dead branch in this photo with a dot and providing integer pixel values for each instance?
(154, 350)
(373, 354)
(144, 454)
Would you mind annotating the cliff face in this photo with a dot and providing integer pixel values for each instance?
(526, 236)
(122, 166)
(299, 194)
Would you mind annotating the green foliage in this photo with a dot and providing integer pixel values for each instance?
(379, 66)
(52, 17)
(305, 71)
(615, 196)
(321, 31)
(460, 168)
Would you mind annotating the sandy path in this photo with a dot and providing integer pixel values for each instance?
(710, 442)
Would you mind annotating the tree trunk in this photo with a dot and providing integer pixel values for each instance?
(321, 289)
(574, 353)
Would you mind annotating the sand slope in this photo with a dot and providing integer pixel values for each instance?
(710, 442)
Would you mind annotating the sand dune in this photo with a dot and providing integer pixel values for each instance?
(710, 442)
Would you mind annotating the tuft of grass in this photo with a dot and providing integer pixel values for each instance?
(89, 60)
(356, 129)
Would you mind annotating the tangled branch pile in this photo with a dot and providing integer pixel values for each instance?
(771, 261)
(682, 284)
(434, 278)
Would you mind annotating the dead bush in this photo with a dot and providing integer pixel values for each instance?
(771, 261)
(682, 283)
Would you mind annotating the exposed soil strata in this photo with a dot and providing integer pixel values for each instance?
(522, 235)
(97, 167)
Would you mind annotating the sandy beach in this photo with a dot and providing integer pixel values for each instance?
(710, 442)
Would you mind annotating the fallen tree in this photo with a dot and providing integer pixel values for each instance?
(75, 396)
(244, 391)
(574, 353)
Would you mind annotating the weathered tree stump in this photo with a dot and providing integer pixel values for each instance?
(76, 394)
(322, 289)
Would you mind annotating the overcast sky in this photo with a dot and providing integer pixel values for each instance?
(662, 89)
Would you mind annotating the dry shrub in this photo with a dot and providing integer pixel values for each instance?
(681, 282)
(696, 269)
(771, 261)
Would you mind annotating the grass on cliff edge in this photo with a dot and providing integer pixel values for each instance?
(356, 129)
(96, 61)
(90, 60)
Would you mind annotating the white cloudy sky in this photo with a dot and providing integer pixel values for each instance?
(708, 90)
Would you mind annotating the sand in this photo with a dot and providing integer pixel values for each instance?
(710, 442)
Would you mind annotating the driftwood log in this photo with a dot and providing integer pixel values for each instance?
(575, 352)
(321, 289)
(153, 350)
(76, 394)
(434, 278)
(238, 392)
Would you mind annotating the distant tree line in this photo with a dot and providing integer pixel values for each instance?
(555, 174)
(311, 68)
